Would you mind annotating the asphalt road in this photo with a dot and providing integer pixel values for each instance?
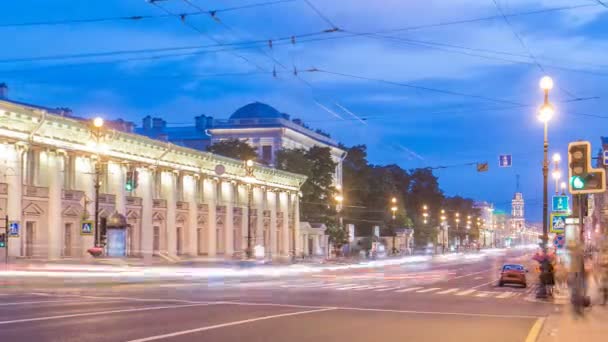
(444, 300)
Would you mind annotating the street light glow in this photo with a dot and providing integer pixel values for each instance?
(249, 163)
(557, 157)
(556, 174)
(339, 198)
(98, 122)
(546, 83)
(563, 186)
(546, 112)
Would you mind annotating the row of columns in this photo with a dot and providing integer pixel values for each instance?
(50, 173)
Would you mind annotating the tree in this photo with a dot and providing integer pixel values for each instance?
(424, 190)
(234, 148)
(318, 192)
(337, 236)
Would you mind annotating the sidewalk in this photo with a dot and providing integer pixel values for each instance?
(564, 327)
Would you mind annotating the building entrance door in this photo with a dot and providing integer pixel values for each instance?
(29, 238)
(179, 241)
(67, 240)
(156, 240)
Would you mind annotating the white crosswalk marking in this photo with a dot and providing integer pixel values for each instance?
(464, 293)
(349, 287)
(408, 289)
(429, 290)
(505, 295)
(448, 291)
(388, 289)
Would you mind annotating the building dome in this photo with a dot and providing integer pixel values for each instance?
(256, 110)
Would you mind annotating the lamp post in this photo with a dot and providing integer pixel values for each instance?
(563, 187)
(339, 199)
(544, 115)
(443, 230)
(556, 173)
(249, 177)
(394, 216)
(96, 131)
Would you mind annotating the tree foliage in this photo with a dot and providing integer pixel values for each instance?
(318, 192)
(234, 148)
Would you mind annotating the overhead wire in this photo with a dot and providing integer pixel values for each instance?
(139, 17)
(525, 46)
(321, 15)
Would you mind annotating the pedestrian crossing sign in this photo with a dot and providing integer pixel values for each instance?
(558, 223)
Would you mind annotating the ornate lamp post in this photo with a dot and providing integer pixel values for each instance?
(249, 178)
(96, 132)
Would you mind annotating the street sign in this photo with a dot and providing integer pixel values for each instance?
(86, 227)
(560, 203)
(605, 157)
(482, 167)
(559, 241)
(505, 160)
(558, 223)
(13, 229)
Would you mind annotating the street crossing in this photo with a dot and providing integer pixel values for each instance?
(406, 289)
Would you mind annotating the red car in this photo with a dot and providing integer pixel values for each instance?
(513, 274)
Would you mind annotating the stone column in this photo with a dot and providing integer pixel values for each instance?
(295, 199)
(85, 181)
(117, 180)
(285, 234)
(258, 204)
(242, 195)
(54, 172)
(271, 199)
(145, 190)
(169, 194)
(228, 198)
(211, 199)
(14, 179)
(190, 192)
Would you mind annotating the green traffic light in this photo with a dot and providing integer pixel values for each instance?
(129, 186)
(2, 245)
(577, 182)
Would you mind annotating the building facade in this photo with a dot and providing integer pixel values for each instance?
(186, 203)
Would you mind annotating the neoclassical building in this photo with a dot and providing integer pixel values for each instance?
(187, 202)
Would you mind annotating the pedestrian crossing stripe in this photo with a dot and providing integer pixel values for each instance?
(402, 289)
(464, 293)
(448, 291)
(409, 289)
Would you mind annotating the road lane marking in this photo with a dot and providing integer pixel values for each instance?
(448, 291)
(48, 318)
(335, 285)
(369, 287)
(229, 324)
(429, 290)
(535, 330)
(59, 301)
(506, 295)
(388, 289)
(483, 294)
(474, 273)
(350, 287)
(464, 293)
(439, 313)
(409, 289)
(484, 284)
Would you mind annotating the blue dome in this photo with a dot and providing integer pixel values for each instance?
(256, 110)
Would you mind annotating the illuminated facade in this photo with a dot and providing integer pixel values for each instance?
(186, 202)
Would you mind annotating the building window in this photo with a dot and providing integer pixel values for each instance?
(267, 153)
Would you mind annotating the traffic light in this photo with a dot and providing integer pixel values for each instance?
(131, 183)
(2, 240)
(584, 179)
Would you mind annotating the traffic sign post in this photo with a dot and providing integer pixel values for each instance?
(558, 223)
(505, 160)
(560, 203)
(559, 241)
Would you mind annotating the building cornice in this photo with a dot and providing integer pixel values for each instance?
(38, 126)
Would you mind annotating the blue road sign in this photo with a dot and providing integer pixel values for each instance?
(559, 241)
(504, 160)
(558, 223)
(560, 203)
(13, 228)
(605, 157)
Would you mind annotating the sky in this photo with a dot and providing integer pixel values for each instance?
(421, 83)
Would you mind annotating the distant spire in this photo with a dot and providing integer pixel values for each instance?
(516, 183)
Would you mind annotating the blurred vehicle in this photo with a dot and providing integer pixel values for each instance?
(513, 274)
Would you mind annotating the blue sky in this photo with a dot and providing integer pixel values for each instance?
(412, 127)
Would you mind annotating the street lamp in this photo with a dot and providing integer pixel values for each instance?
(394, 213)
(249, 178)
(96, 132)
(544, 115)
(563, 186)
